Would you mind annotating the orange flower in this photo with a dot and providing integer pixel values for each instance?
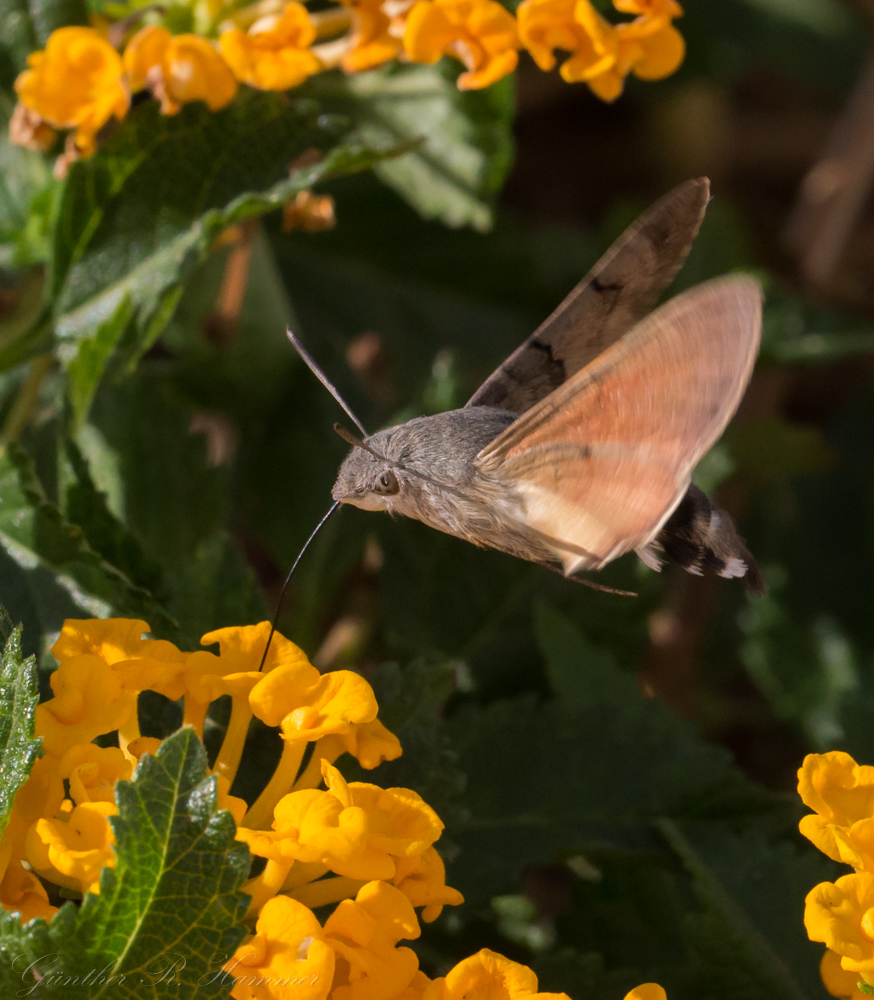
(601, 55)
(22, 891)
(286, 959)
(178, 69)
(274, 54)
(480, 33)
(371, 41)
(488, 974)
(75, 82)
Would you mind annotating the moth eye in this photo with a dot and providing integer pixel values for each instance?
(388, 484)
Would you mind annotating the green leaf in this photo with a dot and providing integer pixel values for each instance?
(34, 532)
(751, 935)
(170, 912)
(49, 15)
(547, 781)
(87, 507)
(578, 671)
(466, 150)
(137, 218)
(18, 697)
(17, 39)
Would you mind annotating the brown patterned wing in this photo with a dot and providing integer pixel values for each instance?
(602, 462)
(618, 292)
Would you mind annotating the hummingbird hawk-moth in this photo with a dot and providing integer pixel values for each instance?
(581, 446)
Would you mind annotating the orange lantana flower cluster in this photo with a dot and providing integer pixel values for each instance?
(366, 850)
(81, 80)
(841, 913)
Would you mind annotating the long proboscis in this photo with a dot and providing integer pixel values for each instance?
(306, 544)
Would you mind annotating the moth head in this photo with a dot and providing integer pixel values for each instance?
(367, 478)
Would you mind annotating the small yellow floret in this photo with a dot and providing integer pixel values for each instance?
(479, 33)
(275, 52)
(77, 847)
(179, 69)
(286, 959)
(75, 82)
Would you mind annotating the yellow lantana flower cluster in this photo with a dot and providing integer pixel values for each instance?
(841, 913)
(366, 849)
(81, 81)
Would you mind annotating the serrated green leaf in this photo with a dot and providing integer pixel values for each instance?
(18, 696)
(34, 532)
(140, 215)
(466, 150)
(751, 935)
(170, 912)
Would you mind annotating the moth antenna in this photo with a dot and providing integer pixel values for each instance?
(350, 438)
(316, 530)
(313, 366)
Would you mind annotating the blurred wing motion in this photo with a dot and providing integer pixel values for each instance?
(604, 459)
(617, 293)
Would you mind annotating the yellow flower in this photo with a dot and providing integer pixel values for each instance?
(601, 55)
(371, 40)
(274, 54)
(400, 823)
(178, 69)
(310, 826)
(242, 646)
(479, 33)
(287, 959)
(89, 701)
(364, 933)
(546, 25)
(663, 9)
(75, 82)
(112, 639)
(422, 880)
(93, 771)
(836, 980)
(841, 793)
(841, 915)
(647, 47)
(488, 974)
(22, 891)
(73, 851)
(647, 991)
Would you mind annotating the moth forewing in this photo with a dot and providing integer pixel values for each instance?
(619, 291)
(603, 460)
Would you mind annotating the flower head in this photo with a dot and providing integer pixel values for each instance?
(422, 879)
(364, 933)
(488, 974)
(841, 915)
(274, 54)
(841, 793)
(286, 959)
(22, 891)
(75, 82)
(93, 771)
(178, 69)
(479, 33)
(372, 41)
(75, 847)
(89, 701)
